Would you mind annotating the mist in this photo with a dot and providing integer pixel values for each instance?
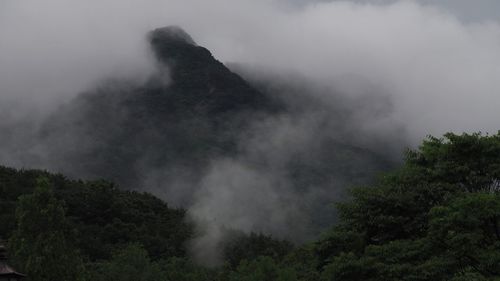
(377, 75)
(417, 52)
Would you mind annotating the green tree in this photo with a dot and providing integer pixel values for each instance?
(436, 218)
(182, 269)
(105, 217)
(468, 231)
(42, 244)
(131, 263)
(304, 262)
(240, 246)
(262, 269)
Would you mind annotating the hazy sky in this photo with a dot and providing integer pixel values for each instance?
(439, 60)
(468, 10)
(437, 63)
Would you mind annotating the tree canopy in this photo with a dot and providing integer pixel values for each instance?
(435, 218)
(43, 242)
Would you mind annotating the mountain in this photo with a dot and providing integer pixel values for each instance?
(191, 110)
(105, 219)
(195, 130)
(199, 82)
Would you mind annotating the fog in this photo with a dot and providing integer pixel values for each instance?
(400, 69)
(440, 71)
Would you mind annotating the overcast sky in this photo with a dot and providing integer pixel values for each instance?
(438, 59)
(468, 10)
(435, 65)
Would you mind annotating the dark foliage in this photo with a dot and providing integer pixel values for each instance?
(437, 218)
(240, 246)
(179, 119)
(105, 218)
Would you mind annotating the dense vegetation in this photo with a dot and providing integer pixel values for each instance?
(180, 117)
(169, 132)
(103, 217)
(190, 113)
(61, 229)
(435, 218)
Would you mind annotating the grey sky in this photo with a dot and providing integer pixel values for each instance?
(468, 10)
(417, 51)
(438, 62)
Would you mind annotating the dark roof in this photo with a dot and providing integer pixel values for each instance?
(6, 270)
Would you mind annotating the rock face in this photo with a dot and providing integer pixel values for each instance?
(121, 131)
(199, 81)
(166, 138)
(170, 34)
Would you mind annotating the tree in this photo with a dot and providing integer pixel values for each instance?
(262, 269)
(132, 263)
(436, 218)
(42, 244)
(470, 162)
(468, 230)
(182, 269)
(240, 246)
(304, 262)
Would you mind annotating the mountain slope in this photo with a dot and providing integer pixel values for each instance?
(103, 217)
(120, 127)
(195, 133)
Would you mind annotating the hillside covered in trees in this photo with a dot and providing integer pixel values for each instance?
(250, 140)
(194, 128)
(437, 217)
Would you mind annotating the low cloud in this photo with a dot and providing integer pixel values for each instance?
(360, 76)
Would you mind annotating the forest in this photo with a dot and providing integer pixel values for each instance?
(436, 217)
(247, 140)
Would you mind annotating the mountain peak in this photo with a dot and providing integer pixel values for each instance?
(171, 34)
(174, 46)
